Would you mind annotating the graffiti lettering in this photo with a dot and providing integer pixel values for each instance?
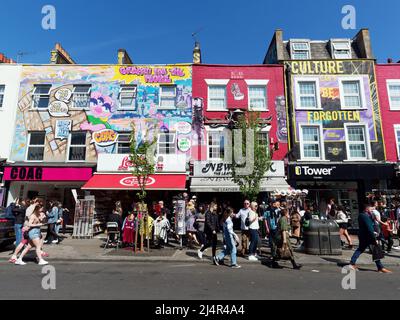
(317, 67)
(333, 116)
(330, 93)
(157, 79)
(104, 137)
(135, 71)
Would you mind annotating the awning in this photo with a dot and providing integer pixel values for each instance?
(217, 184)
(129, 182)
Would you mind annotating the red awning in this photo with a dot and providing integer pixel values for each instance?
(129, 182)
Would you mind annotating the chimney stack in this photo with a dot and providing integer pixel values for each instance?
(123, 57)
(389, 60)
(363, 42)
(60, 56)
(197, 53)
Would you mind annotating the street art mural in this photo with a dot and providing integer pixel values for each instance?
(332, 113)
(101, 101)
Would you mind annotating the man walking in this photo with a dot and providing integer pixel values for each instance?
(271, 217)
(243, 214)
(366, 237)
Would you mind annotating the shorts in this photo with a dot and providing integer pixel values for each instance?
(35, 234)
(343, 226)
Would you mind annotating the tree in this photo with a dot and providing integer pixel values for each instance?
(260, 155)
(142, 159)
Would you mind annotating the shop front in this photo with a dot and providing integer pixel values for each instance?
(346, 183)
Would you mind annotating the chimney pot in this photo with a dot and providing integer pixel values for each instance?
(389, 60)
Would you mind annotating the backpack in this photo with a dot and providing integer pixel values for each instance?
(9, 214)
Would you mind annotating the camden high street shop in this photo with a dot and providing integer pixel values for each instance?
(346, 183)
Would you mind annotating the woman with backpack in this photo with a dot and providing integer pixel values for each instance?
(343, 221)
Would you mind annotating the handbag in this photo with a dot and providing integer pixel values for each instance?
(284, 252)
(377, 252)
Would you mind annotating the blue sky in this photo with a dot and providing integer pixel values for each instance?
(159, 31)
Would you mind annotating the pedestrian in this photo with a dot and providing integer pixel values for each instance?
(387, 235)
(59, 218)
(330, 212)
(253, 228)
(35, 223)
(19, 212)
(189, 221)
(377, 218)
(128, 230)
(211, 229)
(65, 220)
(230, 239)
(243, 214)
(271, 217)
(283, 241)
(52, 218)
(34, 203)
(295, 223)
(343, 221)
(116, 216)
(366, 235)
(200, 227)
(164, 211)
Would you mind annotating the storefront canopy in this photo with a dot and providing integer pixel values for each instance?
(213, 184)
(129, 182)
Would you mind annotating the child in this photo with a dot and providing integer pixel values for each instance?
(387, 237)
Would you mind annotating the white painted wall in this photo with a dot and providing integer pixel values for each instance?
(10, 77)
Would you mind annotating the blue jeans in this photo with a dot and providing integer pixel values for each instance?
(253, 241)
(18, 234)
(230, 249)
(358, 253)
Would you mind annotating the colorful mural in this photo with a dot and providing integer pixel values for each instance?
(98, 110)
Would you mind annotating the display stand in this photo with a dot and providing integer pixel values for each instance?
(83, 220)
(180, 224)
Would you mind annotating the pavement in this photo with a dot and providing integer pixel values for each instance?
(91, 250)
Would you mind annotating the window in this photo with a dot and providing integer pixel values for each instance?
(81, 96)
(167, 97)
(2, 88)
(356, 143)
(397, 135)
(36, 146)
(263, 140)
(341, 49)
(394, 94)
(307, 96)
(216, 145)
(217, 97)
(258, 97)
(123, 143)
(166, 143)
(41, 96)
(77, 146)
(127, 97)
(311, 147)
(351, 94)
(300, 50)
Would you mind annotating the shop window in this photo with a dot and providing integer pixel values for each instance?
(356, 142)
(216, 145)
(36, 146)
(167, 97)
(127, 97)
(307, 95)
(41, 96)
(81, 96)
(351, 94)
(394, 94)
(166, 143)
(123, 143)
(311, 143)
(263, 140)
(341, 49)
(77, 146)
(300, 50)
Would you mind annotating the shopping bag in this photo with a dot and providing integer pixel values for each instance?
(377, 252)
(284, 252)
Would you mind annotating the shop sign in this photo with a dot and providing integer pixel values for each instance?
(58, 109)
(308, 171)
(46, 174)
(183, 127)
(134, 183)
(223, 169)
(104, 138)
(184, 144)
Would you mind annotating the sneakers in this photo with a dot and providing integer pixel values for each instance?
(19, 262)
(383, 270)
(55, 241)
(253, 258)
(200, 254)
(353, 267)
(235, 266)
(42, 262)
(216, 261)
(297, 267)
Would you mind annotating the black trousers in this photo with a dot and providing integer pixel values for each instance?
(212, 240)
(51, 232)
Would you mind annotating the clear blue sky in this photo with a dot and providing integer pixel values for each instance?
(159, 31)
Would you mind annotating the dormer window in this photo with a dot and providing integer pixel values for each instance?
(300, 49)
(341, 49)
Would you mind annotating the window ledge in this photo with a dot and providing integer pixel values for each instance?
(218, 110)
(308, 109)
(353, 109)
(312, 160)
(166, 108)
(360, 160)
(260, 110)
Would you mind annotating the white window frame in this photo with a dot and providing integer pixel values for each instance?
(321, 142)
(337, 41)
(367, 142)
(161, 96)
(89, 86)
(396, 128)
(41, 94)
(362, 93)
(69, 146)
(317, 92)
(216, 82)
(117, 143)
(127, 88)
(29, 145)
(292, 42)
(388, 83)
(211, 130)
(2, 94)
(267, 130)
(257, 83)
(173, 142)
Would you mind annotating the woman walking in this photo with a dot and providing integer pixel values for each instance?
(211, 229)
(295, 222)
(230, 239)
(284, 240)
(253, 227)
(343, 221)
(200, 226)
(190, 219)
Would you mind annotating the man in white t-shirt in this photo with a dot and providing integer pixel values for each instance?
(376, 216)
(254, 226)
(243, 214)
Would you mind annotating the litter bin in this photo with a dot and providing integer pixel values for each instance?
(322, 237)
